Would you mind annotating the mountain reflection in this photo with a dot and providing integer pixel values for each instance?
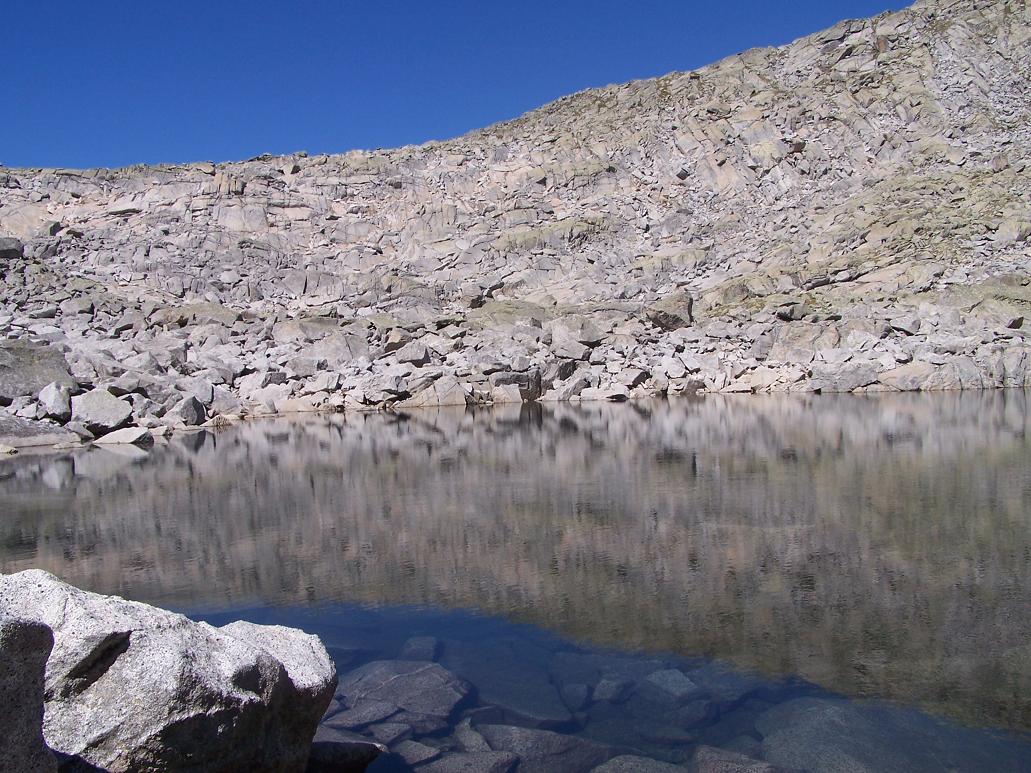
(876, 546)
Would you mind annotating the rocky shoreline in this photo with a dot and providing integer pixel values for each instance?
(78, 372)
(848, 213)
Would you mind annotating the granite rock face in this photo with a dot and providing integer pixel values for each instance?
(132, 687)
(849, 212)
(24, 648)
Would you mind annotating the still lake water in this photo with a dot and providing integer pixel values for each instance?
(842, 580)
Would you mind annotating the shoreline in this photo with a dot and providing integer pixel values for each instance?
(224, 423)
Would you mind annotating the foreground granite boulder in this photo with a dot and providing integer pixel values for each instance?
(132, 687)
(24, 648)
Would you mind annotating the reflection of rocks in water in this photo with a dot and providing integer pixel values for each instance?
(875, 546)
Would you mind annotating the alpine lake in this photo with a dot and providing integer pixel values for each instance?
(818, 582)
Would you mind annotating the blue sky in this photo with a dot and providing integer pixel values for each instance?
(104, 83)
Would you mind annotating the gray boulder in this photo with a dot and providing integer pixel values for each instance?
(78, 306)
(56, 401)
(446, 390)
(24, 648)
(564, 346)
(25, 368)
(135, 436)
(17, 432)
(843, 378)
(528, 383)
(908, 324)
(132, 687)
(908, 377)
(414, 353)
(11, 248)
(100, 412)
(672, 312)
(189, 411)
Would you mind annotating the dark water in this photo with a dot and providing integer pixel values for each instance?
(841, 580)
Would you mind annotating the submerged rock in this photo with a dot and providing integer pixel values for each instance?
(132, 687)
(709, 759)
(472, 762)
(511, 680)
(416, 693)
(340, 755)
(544, 751)
(630, 763)
(835, 734)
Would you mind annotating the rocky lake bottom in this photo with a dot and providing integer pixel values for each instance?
(746, 583)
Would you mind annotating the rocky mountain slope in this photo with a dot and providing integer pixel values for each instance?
(848, 212)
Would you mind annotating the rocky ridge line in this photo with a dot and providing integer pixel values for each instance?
(850, 212)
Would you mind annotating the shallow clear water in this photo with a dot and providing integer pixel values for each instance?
(817, 568)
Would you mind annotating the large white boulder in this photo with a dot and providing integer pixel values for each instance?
(132, 687)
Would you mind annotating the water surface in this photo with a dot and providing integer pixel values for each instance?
(871, 548)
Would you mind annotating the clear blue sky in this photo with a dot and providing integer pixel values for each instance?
(104, 83)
